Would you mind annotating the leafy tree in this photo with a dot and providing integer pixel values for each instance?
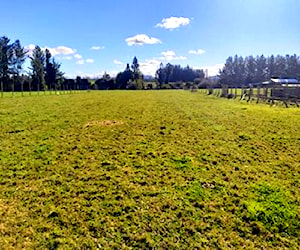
(106, 82)
(38, 67)
(175, 73)
(124, 77)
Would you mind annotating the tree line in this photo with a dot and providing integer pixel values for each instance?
(239, 71)
(44, 72)
(175, 73)
(169, 76)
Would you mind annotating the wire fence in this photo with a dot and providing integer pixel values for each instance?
(10, 94)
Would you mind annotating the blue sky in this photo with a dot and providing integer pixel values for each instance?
(89, 37)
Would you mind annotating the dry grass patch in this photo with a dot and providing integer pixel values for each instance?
(105, 123)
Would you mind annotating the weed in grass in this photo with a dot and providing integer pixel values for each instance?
(273, 209)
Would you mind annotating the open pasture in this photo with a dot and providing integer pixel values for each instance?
(148, 169)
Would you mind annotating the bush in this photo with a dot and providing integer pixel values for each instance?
(134, 85)
(166, 86)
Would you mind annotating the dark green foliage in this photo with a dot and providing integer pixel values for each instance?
(17, 57)
(53, 75)
(239, 71)
(105, 83)
(38, 68)
(175, 73)
(124, 77)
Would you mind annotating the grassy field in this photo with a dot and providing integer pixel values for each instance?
(151, 169)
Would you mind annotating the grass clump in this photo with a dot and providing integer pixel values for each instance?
(274, 209)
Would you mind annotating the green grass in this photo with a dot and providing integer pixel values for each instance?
(148, 169)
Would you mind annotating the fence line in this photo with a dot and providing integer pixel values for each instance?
(270, 94)
(10, 94)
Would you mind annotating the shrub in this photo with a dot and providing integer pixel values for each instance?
(166, 86)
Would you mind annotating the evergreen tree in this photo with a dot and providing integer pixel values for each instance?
(38, 67)
(4, 60)
(261, 69)
(270, 69)
(53, 74)
(123, 78)
(160, 75)
(280, 66)
(17, 57)
(137, 76)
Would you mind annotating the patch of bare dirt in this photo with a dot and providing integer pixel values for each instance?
(105, 123)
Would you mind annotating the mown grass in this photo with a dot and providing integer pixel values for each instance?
(148, 169)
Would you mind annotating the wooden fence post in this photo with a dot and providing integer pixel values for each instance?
(258, 94)
(22, 87)
(1, 88)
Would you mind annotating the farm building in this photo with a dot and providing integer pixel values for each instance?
(282, 82)
(286, 90)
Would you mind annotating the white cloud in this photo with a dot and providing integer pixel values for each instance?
(61, 50)
(97, 47)
(173, 22)
(81, 61)
(171, 56)
(212, 70)
(168, 53)
(150, 66)
(77, 56)
(65, 58)
(95, 75)
(197, 52)
(142, 39)
(118, 62)
(89, 60)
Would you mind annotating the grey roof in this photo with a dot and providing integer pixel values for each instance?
(280, 80)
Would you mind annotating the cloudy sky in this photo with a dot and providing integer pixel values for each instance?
(90, 36)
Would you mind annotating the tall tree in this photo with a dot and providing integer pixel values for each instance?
(49, 70)
(137, 75)
(280, 66)
(261, 69)
(160, 75)
(270, 70)
(17, 57)
(4, 60)
(124, 77)
(292, 66)
(38, 67)
(53, 74)
(250, 68)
